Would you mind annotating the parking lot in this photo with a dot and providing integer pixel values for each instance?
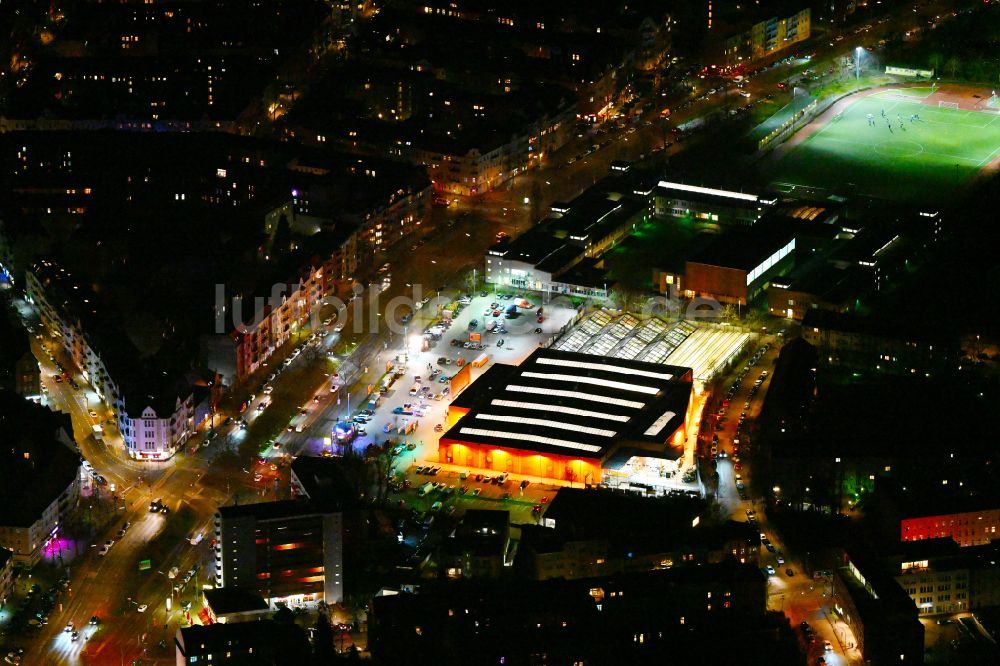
(452, 491)
(417, 421)
(419, 363)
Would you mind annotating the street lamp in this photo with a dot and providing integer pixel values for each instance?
(857, 62)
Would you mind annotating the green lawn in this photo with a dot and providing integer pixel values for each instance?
(922, 161)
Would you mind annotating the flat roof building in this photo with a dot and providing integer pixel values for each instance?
(285, 551)
(567, 415)
(821, 287)
(241, 643)
(561, 255)
(708, 204)
(740, 262)
(880, 613)
(233, 604)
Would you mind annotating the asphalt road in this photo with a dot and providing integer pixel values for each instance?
(103, 585)
(800, 597)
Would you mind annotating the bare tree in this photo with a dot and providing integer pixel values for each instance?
(383, 457)
(935, 60)
(952, 66)
(535, 201)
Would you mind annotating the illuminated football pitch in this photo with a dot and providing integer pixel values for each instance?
(893, 145)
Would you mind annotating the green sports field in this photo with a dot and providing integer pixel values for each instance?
(923, 160)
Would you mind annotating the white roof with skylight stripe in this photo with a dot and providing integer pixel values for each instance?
(547, 423)
(594, 381)
(559, 409)
(524, 437)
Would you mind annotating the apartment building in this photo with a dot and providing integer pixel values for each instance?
(6, 574)
(753, 37)
(289, 305)
(487, 162)
(39, 478)
(938, 589)
(154, 405)
(286, 551)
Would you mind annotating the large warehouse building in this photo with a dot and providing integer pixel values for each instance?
(740, 263)
(568, 416)
(709, 205)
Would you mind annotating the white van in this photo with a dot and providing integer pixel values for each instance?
(415, 389)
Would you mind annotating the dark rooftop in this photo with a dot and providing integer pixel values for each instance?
(835, 285)
(868, 245)
(484, 532)
(268, 641)
(263, 511)
(928, 549)
(628, 522)
(35, 465)
(595, 215)
(932, 498)
(13, 346)
(227, 600)
(533, 246)
(880, 596)
(588, 272)
(324, 482)
(745, 248)
(845, 322)
(491, 519)
(561, 259)
(567, 403)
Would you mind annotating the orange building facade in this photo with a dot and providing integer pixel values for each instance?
(516, 461)
(567, 417)
(971, 528)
